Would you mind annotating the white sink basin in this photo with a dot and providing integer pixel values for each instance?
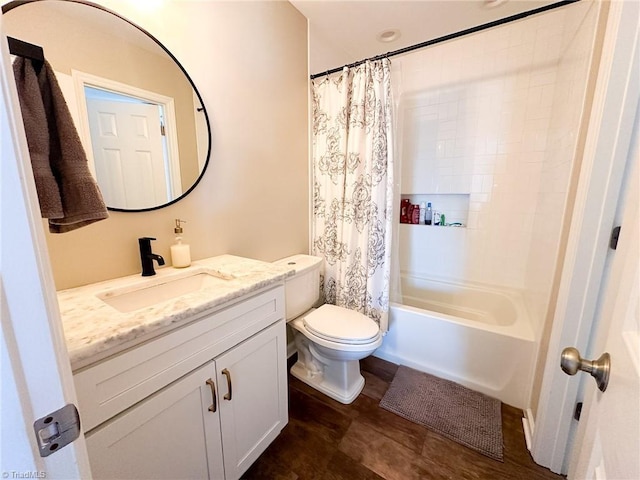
(135, 297)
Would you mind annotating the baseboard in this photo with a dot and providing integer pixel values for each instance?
(388, 357)
(528, 425)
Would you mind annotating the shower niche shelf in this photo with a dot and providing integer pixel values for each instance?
(455, 206)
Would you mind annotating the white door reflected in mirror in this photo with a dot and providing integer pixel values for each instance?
(129, 149)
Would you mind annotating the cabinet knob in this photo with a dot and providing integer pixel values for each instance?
(229, 393)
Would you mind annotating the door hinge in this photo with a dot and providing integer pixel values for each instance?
(615, 234)
(162, 131)
(577, 411)
(57, 429)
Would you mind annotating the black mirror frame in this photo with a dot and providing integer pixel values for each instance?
(16, 3)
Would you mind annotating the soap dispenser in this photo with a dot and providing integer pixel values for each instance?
(180, 252)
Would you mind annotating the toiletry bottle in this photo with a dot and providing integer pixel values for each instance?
(443, 222)
(428, 215)
(436, 218)
(415, 214)
(180, 252)
(423, 211)
(404, 207)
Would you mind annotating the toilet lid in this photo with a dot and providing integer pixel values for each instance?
(340, 325)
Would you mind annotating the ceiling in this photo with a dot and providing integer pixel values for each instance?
(343, 32)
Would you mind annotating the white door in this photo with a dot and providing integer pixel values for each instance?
(36, 375)
(609, 432)
(128, 153)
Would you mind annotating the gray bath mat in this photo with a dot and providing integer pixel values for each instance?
(467, 417)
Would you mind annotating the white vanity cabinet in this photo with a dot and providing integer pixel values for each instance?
(204, 419)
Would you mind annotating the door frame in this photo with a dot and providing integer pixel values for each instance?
(608, 136)
(82, 79)
(36, 373)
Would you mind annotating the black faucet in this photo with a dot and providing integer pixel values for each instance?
(147, 257)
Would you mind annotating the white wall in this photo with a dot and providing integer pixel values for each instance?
(562, 159)
(495, 116)
(564, 152)
(476, 115)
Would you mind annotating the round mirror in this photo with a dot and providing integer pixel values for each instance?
(141, 119)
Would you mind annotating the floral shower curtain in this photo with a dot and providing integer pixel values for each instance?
(353, 187)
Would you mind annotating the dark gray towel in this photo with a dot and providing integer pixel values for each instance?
(68, 194)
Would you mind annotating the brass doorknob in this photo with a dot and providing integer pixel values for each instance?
(571, 363)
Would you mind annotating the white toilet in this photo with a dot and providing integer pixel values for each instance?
(330, 340)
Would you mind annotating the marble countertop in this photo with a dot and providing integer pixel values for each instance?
(95, 330)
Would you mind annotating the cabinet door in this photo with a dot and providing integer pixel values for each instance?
(170, 435)
(252, 379)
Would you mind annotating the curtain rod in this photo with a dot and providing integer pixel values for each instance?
(451, 36)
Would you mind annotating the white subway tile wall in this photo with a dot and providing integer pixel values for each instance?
(495, 117)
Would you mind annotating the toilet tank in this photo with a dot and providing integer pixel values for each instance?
(302, 290)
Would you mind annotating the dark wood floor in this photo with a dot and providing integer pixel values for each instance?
(326, 440)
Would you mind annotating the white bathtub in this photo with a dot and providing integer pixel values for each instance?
(477, 336)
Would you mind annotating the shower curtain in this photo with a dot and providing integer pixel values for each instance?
(353, 187)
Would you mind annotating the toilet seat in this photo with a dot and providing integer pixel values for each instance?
(340, 325)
